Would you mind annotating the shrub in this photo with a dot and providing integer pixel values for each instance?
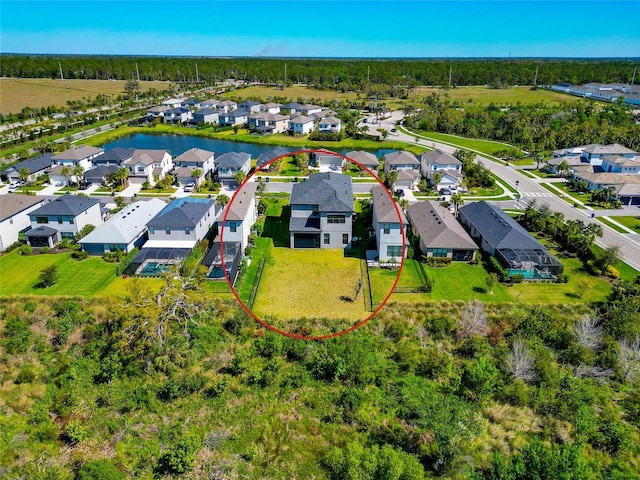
(25, 250)
(495, 266)
(438, 262)
(74, 432)
(126, 260)
(45, 250)
(181, 387)
(25, 375)
(516, 278)
(49, 275)
(562, 278)
(181, 456)
(99, 470)
(113, 257)
(79, 254)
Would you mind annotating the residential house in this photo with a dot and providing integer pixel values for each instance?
(301, 125)
(62, 217)
(116, 156)
(14, 216)
(234, 117)
(389, 225)
(290, 108)
(230, 163)
(125, 230)
(439, 234)
(191, 160)
(173, 233)
(407, 178)
(448, 168)
(250, 106)
(595, 154)
(268, 122)
(364, 159)
(227, 106)
(239, 215)
(270, 107)
(623, 165)
(178, 115)
(317, 116)
(329, 125)
(407, 167)
(210, 103)
(191, 103)
(157, 112)
(98, 175)
(37, 166)
(501, 236)
(206, 115)
(266, 157)
(148, 165)
(321, 212)
(327, 160)
(172, 102)
(307, 109)
(82, 155)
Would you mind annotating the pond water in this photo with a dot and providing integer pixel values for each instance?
(178, 144)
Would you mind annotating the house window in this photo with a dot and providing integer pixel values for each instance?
(439, 252)
(327, 238)
(71, 220)
(152, 230)
(42, 219)
(386, 228)
(394, 250)
(187, 230)
(60, 220)
(233, 227)
(167, 231)
(345, 238)
(335, 219)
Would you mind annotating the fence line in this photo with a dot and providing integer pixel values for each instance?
(256, 284)
(366, 293)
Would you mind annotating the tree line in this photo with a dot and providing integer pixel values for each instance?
(344, 74)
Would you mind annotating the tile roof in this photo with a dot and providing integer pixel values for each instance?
(332, 192)
(239, 207)
(384, 207)
(437, 227)
(232, 160)
(36, 164)
(195, 155)
(266, 157)
(438, 156)
(182, 213)
(367, 159)
(66, 205)
(116, 155)
(608, 149)
(79, 152)
(16, 203)
(300, 120)
(146, 157)
(401, 158)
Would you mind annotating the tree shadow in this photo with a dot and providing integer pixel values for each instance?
(277, 228)
(480, 290)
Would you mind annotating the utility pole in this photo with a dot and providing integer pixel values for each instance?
(137, 72)
(450, 71)
(197, 77)
(633, 78)
(285, 72)
(535, 79)
(61, 75)
(368, 78)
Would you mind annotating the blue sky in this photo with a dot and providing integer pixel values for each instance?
(327, 29)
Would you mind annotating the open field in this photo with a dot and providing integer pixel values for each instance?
(87, 278)
(293, 93)
(485, 96)
(44, 92)
(485, 146)
(310, 283)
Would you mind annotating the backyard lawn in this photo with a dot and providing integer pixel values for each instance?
(311, 283)
(87, 278)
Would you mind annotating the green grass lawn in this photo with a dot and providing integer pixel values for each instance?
(462, 281)
(87, 278)
(500, 96)
(30, 188)
(311, 283)
(610, 224)
(628, 221)
(382, 280)
(485, 146)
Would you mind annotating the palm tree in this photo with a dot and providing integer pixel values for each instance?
(65, 172)
(457, 200)
(558, 218)
(23, 174)
(392, 177)
(436, 177)
(78, 172)
(222, 199)
(563, 168)
(196, 174)
(122, 175)
(240, 177)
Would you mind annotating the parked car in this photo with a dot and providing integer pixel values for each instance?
(394, 130)
(84, 185)
(399, 192)
(189, 187)
(14, 185)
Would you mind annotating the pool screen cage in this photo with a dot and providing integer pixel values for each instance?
(156, 256)
(529, 259)
(232, 259)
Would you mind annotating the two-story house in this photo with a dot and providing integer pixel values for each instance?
(407, 167)
(624, 165)
(270, 107)
(308, 109)
(301, 125)
(250, 106)
(230, 163)
(206, 115)
(234, 117)
(178, 115)
(148, 165)
(227, 106)
(81, 155)
(62, 217)
(595, 154)
(448, 168)
(389, 224)
(321, 212)
(365, 159)
(190, 161)
(268, 122)
(238, 217)
(14, 216)
(329, 125)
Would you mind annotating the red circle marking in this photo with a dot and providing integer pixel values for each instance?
(271, 327)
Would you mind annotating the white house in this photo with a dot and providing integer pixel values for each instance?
(178, 115)
(327, 161)
(270, 107)
(401, 160)
(196, 158)
(438, 161)
(210, 103)
(308, 109)
(230, 163)
(81, 155)
(157, 112)
(389, 223)
(147, 165)
(623, 165)
(240, 214)
(62, 217)
(268, 122)
(595, 154)
(125, 230)
(250, 106)
(227, 106)
(14, 216)
(234, 117)
(329, 124)
(206, 115)
(301, 125)
(366, 159)
(172, 102)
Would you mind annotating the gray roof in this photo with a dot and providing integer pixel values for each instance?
(232, 160)
(101, 171)
(240, 112)
(41, 231)
(301, 119)
(437, 227)
(239, 207)
(146, 157)
(438, 156)
(204, 111)
(332, 192)
(608, 149)
(497, 228)
(79, 152)
(292, 105)
(16, 203)
(126, 225)
(248, 103)
(330, 121)
(401, 158)
(384, 207)
(227, 103)
(66, 205)
(266, 157)
(404, 174)
(367, 159)
(117, 154)
(195, 155)
(182, 213)
(36, 164)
